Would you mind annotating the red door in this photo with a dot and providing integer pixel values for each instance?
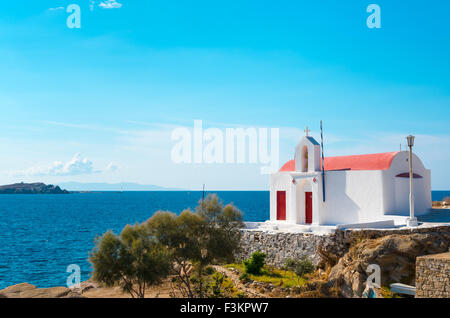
(308, 207)
(281, 205)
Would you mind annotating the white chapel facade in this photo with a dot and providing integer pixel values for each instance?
(358, 189)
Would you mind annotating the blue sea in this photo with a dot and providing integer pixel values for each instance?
(439, 195)
(40, 235)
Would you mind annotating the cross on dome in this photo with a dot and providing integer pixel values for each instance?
(307, 131)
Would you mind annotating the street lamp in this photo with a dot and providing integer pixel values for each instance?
(411, 221)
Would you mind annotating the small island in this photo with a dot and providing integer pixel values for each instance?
(31, 188)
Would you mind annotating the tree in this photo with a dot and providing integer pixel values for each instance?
(180, 235)
(220, 234)
(198, 239)
(221, 229)
(134, 260)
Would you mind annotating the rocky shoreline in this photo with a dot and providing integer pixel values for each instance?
(26, 290)
(87, 289)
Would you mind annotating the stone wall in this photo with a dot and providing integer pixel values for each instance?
(279, 246)
(433, 276)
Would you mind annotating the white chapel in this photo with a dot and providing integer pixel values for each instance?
(358, 189)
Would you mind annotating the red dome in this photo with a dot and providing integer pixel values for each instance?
(378, 161)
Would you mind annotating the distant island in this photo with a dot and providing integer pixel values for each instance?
(124, 186)
(31, 188)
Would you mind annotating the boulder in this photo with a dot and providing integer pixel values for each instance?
(395, 254)
(26, 290)
(15, 290)
(73, 294)
(53, 292)
(84, 287)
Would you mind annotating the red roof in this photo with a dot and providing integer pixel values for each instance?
(378, 161)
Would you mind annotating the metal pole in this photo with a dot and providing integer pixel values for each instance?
(323, 163)
(203, 194)
(412, 221)
(411, 190)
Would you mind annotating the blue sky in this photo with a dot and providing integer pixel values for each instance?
(102, 100)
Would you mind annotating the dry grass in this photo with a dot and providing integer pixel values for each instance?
(162, 290)
(327, 259)
(274, 276)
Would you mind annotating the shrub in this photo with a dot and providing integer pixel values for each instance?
(220, 286)
(255, 264)
(245, 278)
(300, 267)
(209, 270)
(133, 260)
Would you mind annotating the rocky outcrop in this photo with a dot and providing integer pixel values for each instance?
(26, 290)
(31, 188)
(85, 286)
(348, 253)
(15, 290)
(395, 254)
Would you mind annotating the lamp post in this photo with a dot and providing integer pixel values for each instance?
(411, 221)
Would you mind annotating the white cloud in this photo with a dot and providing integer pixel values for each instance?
(76, 166)
(112, 167)
(56, 9)
(82, 126)
(110, 4)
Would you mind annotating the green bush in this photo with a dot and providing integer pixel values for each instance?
(245, 278)
(300, 267)
(221, 286)
(209, 270)
(255, 264)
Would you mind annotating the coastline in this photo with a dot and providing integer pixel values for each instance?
(380, 246)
